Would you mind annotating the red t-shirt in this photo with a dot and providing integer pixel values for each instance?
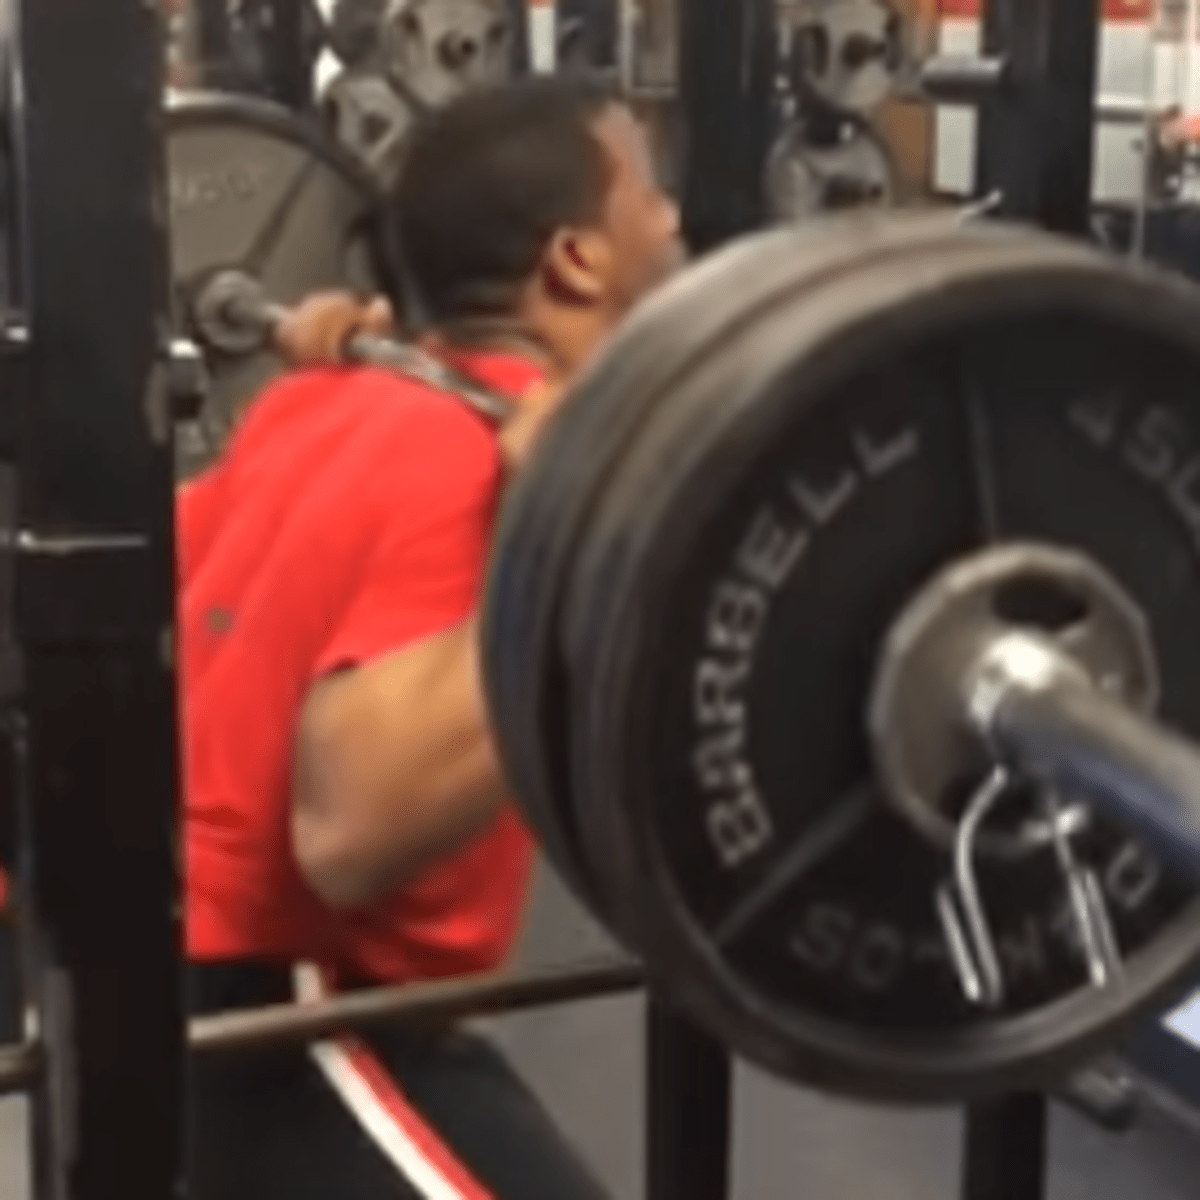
(349, 515)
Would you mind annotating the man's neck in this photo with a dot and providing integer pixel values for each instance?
(494, 335)
(559, 341)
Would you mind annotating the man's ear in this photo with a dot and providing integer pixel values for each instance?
(577, 264)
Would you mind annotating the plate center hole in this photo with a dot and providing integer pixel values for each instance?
(1038, 602)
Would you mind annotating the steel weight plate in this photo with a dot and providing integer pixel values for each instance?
(253, 188)
(804, 180)
(365, 114)
(864, 408)
(846, 54)
(437, 50)
(405, 61)
(547, 505)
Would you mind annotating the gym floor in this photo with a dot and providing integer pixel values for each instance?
(586, 1062)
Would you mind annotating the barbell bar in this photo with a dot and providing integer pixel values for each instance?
(232, 313)
(1072, 736)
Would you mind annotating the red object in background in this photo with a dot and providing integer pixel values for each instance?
(1114, 10)
(1183, 131)
(3, 890)
(1128, 10)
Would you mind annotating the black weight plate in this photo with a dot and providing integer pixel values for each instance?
(686, 328)
(739, 571)
(538, 529)
(255, 188)
(693, 330)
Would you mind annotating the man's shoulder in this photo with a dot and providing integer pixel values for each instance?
(368, 413)
(409, 400)
(433, 434)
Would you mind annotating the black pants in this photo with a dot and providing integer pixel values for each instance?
(389, 1115)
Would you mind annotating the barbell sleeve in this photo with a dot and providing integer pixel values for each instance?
(1035, 712)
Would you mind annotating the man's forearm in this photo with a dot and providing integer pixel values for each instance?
(395, 768)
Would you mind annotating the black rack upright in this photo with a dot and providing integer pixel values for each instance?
(93, 609)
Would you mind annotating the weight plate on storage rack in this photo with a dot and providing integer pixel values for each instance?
(846, 54)
(253, 188)
(863, 408)
(365, 115)
(804, 179)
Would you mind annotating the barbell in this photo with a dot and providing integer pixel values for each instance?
(840, 644)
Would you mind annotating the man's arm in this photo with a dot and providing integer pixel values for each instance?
(395, 768)
(394, 763)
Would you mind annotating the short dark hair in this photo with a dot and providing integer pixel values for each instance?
(485, 183)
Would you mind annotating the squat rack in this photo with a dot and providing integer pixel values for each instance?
(87, 678)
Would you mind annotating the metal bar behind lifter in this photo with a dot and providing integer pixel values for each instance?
(1037, 133)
